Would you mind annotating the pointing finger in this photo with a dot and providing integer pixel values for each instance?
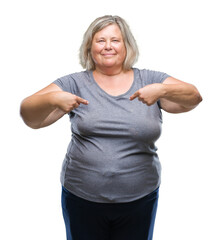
(136, 94)
(81, 100)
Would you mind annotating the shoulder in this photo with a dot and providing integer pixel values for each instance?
(74, 81)
(151, 76)
(75, 76)
(148, 72)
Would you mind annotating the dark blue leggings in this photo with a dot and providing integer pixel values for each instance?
(86, 220)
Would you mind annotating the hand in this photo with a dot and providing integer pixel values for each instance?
(66, 101)
(148, 94)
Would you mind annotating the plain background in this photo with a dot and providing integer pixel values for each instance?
(40, 42)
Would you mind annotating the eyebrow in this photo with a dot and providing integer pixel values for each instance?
(98, 38)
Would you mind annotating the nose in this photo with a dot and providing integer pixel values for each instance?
(108, 45)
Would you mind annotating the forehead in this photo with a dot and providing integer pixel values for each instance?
(112, 30)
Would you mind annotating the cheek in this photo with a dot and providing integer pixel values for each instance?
(96, 49)
(123, 53)
(94, 54)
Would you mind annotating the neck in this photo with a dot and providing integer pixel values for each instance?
(109, 71)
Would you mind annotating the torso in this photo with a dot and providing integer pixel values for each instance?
(112, 155)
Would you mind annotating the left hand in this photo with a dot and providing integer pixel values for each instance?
(148, 94)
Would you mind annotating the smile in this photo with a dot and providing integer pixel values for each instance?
(108, 55)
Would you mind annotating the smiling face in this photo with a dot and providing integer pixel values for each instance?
(108, 49)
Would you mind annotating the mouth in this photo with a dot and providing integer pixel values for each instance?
(108, 54)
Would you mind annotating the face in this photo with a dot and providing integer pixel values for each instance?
(108, 48)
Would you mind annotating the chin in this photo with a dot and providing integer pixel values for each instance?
(110, 63)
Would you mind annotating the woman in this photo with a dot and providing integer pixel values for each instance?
(111, 172)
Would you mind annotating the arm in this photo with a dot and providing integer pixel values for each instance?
(178, 96)
(175, 96)
(47, 106)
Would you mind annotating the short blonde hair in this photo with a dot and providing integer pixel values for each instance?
(98, 24)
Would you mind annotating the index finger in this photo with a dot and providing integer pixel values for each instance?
(82, 100)
(136, 94)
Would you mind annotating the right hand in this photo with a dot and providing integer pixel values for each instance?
(66, 101)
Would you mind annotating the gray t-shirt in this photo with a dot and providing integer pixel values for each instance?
(112, 154)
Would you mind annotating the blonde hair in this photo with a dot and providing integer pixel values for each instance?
(98, 24)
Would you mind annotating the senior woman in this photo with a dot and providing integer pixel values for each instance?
(111, 172)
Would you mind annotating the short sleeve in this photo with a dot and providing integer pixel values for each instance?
(66, 83)
(151, 76)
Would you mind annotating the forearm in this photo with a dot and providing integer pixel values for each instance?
(175, 96)
(52, 117)
(185, 95)
(36, 109)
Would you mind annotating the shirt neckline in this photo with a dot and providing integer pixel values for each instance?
(123, 94)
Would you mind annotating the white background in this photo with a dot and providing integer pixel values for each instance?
(40, 42)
